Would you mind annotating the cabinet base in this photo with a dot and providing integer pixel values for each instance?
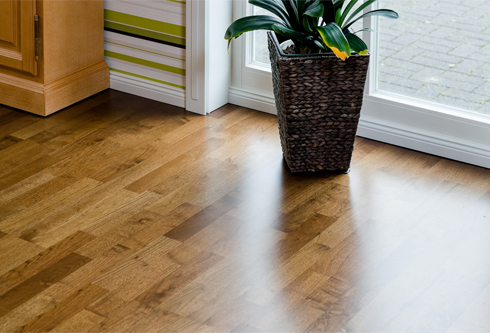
(45, 99)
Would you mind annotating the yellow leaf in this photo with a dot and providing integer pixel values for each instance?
(342, 55)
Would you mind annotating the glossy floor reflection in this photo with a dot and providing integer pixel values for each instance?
(121, 214)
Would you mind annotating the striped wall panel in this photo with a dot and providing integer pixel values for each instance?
(145, 44)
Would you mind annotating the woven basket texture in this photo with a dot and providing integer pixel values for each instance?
(318, 100)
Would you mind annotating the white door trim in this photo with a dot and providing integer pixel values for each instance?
(208, 65)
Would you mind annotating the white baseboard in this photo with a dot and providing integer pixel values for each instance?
(423, 142)
(148, 89)
(252, 100)
(392, 133)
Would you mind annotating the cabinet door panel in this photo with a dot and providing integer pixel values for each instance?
(17, 35)
(7, 13)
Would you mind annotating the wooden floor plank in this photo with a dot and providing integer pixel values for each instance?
(125, 234)
(179, 171)
(14, 121)
(111, 220)
(116, 164)
(14, 251)
(208, 215)
(304, 234)
(154, 321)
(164, 223)
(226, 235)
(91, 207)
(86, 319)
(123, 214)
(42, 280)
(8, 141)
(66, 309)
(45, 258)
(210, 188)
(24, 313)
(122, 317)
(58, 120)
(20, 153)
(44, 211)
(27, 170)
(139, 272)
(177, 279)
(5, 109)
(24, 188)
(100, 265)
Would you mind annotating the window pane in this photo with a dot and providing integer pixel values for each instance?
(260, 52)
(437, 51)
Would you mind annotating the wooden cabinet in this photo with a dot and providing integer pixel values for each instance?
(52, 63)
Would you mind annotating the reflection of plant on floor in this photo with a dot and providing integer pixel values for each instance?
(314, 26)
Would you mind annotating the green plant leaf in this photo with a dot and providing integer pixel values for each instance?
(289, 33)
(338, 15)
(300, 4)
(274, 7)
(378, 12)
(250, 23)
(320, 45)
(311, 16)
(314, 10)
(359, 10)
(328, 11)
(337, 4)
(357, 44)
(306, 25)
(292, 10)
(335, 39)
(307, 4)
(347, 9)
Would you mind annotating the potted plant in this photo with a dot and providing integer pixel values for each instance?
(318, 82)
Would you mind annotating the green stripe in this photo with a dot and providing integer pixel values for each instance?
(144, 62)
(135, 48)
(145, 33)
(141, 22)
(147, 78)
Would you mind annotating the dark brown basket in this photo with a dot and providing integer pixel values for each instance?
(318, 100)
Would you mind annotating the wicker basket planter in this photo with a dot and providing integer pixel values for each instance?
(318, 100)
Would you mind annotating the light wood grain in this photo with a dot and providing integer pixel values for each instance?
(75, 87)
(122, 214)
(40, 281)
(11, 256)
(71, 64)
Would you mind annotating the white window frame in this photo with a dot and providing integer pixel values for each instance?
(395, 119)
(251, 86)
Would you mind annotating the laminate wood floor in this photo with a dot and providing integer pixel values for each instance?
(121, 214)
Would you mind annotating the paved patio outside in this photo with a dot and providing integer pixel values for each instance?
(438, 50)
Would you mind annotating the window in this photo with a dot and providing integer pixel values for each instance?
(437, 51)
